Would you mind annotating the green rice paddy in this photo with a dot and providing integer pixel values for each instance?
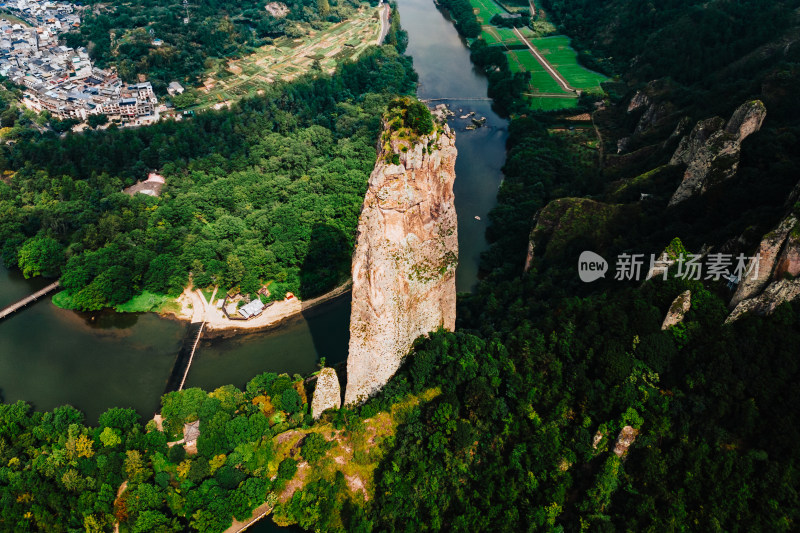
(558, 52)
(541, 80)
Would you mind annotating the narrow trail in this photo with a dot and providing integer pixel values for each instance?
(384, 22)
(542, 61)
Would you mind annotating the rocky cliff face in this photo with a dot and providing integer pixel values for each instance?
(327, 394)
(677, 310)
(405, 258)
(773, 280)
(711, 151)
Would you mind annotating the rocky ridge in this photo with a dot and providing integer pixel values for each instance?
(712, 149)
(770, 276)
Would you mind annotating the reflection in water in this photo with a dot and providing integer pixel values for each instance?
(293, 347)
(51, 357)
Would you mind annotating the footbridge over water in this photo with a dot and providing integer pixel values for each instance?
(13, 308)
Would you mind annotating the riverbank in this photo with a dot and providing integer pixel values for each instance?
(195, 308)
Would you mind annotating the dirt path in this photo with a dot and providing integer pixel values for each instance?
(120, 490)
(542, 61)
(384, 23)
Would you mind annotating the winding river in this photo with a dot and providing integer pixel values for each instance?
(50, 357)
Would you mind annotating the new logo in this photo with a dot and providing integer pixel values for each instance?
(591, 267)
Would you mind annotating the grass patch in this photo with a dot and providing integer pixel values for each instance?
(207, 293)
(63, 300)
(148, 302)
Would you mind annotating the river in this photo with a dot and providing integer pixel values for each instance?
(50, 357)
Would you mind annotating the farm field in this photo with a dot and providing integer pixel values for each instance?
(541, 81)
(505, 36)
(486, 9)
(558, 52)
(545, 103)
(287, 59)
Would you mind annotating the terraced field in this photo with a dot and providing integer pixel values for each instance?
(558, 52)
(486, 10)
(287, 59)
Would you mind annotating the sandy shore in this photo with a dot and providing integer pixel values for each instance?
(195, 308)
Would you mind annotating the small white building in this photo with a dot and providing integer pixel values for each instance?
(254, 308)
(174, 88)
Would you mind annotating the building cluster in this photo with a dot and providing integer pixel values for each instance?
(60, 79)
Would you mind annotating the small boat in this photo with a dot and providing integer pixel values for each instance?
(477, 217)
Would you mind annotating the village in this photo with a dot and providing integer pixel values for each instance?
(62, 80)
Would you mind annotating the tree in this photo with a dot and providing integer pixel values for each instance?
(41, 256)
(97, 120)
(109, 437)
(290, 401)
(184, 100)
(287, 468)
(135, 467)
(83, 446)
(314, 447)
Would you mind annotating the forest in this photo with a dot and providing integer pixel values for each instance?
(268, 191)
(510, 422)
(190, 34)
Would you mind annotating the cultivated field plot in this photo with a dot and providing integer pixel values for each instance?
(541, 80)
(504, 36)
(486, 9)
(557, 51)
(494, 35)
(287, 59)
(545, 103)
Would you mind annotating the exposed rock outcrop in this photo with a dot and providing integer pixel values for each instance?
(712, 152)
(626, 438)
(405, 259)
(654, 117)
(677, 310)
(691, 144)
(769, 279)
(639, 100)
(768, 252)
(327, 394)
(765, 303)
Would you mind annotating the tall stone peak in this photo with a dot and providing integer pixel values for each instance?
(405, 258)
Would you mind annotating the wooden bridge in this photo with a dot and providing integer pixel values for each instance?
(183, 361)
(13, 308)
